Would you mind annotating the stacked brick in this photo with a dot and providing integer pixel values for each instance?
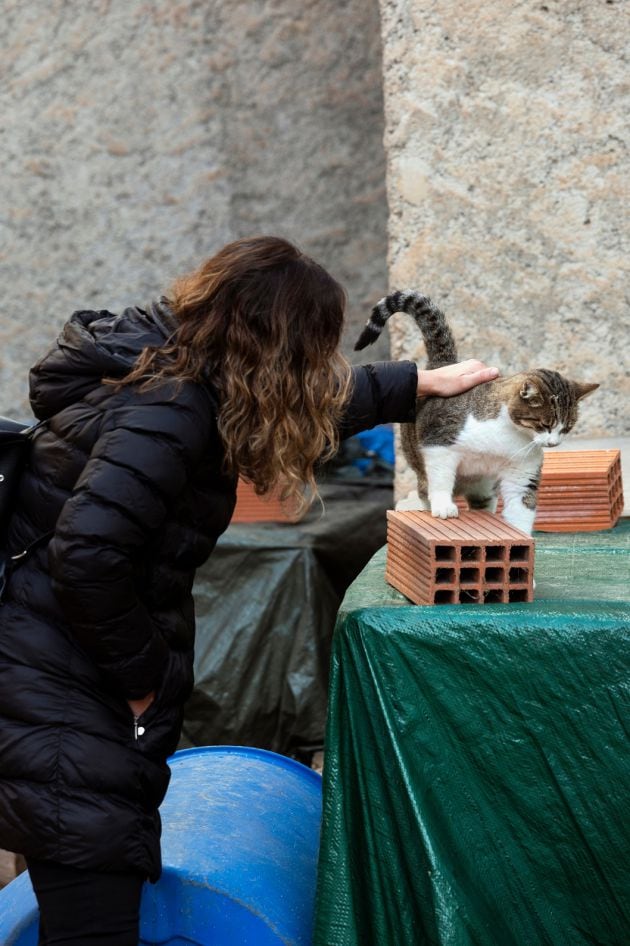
(474, 559)
(580, 491)
(267, 508)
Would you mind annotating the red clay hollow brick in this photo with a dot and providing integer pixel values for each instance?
(268, 508)
(580, 491)
(474, 559)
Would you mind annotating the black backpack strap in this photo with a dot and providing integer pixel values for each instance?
(29, 431)
(8, 563)
(28, 551)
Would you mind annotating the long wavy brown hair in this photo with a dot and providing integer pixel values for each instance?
(261, 321)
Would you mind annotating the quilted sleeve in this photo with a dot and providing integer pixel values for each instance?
(135, 471)
(383, 393)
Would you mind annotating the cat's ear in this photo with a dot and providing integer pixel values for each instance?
(530, 393)
(581, 390)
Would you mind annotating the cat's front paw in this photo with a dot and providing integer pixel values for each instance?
(444, 508)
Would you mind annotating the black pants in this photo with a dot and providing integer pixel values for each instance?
(85, 908)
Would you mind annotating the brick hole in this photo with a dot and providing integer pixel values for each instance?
(444, 576)
(444, 553)
(494, 595)
(494, 553)
(469, 574)
(519, 553)
(517, 594)
(469, 596)
(443, 597)
(494, 574)
(470, 553)
(518, 575)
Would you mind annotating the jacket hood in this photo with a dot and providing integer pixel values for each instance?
(93, 346)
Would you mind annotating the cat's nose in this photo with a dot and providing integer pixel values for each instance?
(553, 440)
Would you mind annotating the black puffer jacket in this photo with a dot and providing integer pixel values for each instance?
(133, 486)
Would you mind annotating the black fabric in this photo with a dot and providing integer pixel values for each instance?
(384, 393)
(86, 908)
(15, 442)
(132, 483)
(15, 445)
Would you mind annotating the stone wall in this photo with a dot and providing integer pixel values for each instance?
(507, 175)
(139, 137)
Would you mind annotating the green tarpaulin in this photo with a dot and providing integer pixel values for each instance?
(477, 780)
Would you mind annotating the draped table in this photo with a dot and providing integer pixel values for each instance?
(477, 769)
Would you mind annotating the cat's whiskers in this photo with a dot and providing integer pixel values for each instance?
(528, 446)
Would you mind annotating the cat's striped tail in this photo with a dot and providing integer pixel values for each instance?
(439, 342)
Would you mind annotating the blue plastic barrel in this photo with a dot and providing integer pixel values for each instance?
(241, 834)
(239, 845)
(19, 916)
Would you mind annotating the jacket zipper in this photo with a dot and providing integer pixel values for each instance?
(137, 730)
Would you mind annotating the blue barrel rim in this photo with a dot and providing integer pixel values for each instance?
(265, 755)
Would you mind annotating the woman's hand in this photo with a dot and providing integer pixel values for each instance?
(138, 707)
(454, 379)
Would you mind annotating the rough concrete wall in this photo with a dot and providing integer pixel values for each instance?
(139, 137)
(507, 176)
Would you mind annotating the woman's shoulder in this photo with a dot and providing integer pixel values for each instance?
(184, 412)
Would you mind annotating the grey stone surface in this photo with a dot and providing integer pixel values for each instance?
(506, 141)
(139, 137)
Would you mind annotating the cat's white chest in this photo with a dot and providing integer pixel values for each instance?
(485, 446)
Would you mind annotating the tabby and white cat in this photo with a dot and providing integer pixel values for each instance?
(486, 441)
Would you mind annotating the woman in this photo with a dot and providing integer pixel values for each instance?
(152, 415)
